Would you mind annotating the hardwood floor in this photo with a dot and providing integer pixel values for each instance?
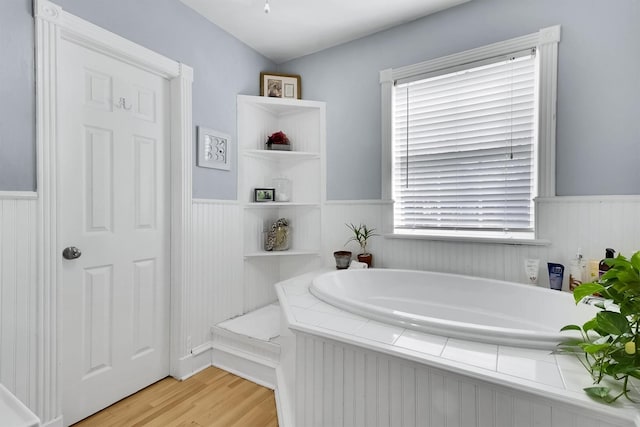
(212, 397)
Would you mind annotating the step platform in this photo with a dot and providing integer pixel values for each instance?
(249, 345)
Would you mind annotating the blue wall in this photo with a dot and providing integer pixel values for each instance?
(598, 122)
(598, 136)
(17, 97)
(223, 68)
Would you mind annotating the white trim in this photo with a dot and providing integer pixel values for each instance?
(198, 350)
(359, 202)
(590, 199)
(190, 365)
(283, 400)
(549, 35)
(56, 422)
(548, 88)
(546, 41)
(386, 129)
(18, 195)
(470, 239)
(256, 369)
(215, 202)
(181, 210)
(53, 25)
(196, 371)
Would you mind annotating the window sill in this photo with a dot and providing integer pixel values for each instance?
(466, 238)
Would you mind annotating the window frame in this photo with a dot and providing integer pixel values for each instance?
(545, 41)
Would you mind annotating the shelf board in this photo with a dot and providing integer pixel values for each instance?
(281, 155)
(281, 105)
(262, 254)
(267, 205)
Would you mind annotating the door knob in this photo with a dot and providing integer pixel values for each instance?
(71, 252)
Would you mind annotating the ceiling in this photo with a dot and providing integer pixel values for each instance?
(296, 28)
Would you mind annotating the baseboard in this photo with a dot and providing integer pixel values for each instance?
(250, 367)
(191, 364)
(56, 422)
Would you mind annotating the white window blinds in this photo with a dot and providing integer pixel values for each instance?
(464, 144)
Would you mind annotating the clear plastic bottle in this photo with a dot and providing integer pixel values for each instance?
(577, 271)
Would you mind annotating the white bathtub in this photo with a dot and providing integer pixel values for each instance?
(450, 305)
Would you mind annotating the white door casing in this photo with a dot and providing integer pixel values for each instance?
(114, 205)
(53, 25)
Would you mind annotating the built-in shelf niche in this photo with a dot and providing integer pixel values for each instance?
(304, 124)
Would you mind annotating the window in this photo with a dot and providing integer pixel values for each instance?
(464, 140)
(464, 148)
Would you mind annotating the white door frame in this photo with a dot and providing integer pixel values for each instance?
(52, 26)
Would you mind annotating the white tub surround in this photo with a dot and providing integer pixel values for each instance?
(471, 308)
(342, 369)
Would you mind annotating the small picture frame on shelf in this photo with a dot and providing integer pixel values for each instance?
(276, 85)
(264, 195)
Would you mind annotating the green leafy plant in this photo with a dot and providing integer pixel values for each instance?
(361, 235)
(609, 343)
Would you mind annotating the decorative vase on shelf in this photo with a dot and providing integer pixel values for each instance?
(282, 238)
(283, 189)
(277, 238)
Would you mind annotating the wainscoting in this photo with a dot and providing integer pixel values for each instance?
(217, 291)
(342, 385)
(591, 223)
(18, 302)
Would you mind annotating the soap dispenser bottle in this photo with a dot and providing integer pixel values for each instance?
(603, 267)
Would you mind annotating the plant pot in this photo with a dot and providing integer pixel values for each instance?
(279, 147)
(366, 258)
(343, 259)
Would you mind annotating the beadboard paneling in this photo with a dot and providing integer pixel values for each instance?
(216, 292)
(591, 223)
(225, 286)
(18, 295)
(224, 283)
(341, 386)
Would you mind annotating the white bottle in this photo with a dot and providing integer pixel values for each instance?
(577, 271)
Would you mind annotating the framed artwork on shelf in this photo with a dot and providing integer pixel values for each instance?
(277, 85)
(264, 195)
(214, 149)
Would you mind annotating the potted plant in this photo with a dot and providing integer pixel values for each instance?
(361, 235)
(608, 347)
(278, 141)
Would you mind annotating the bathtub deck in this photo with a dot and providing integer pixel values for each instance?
(538, 373)
(249, 345)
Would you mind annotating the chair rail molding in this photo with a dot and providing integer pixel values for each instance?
(18, 195)
(53, 25)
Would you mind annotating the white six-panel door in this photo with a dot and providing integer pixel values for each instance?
(114, 207)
